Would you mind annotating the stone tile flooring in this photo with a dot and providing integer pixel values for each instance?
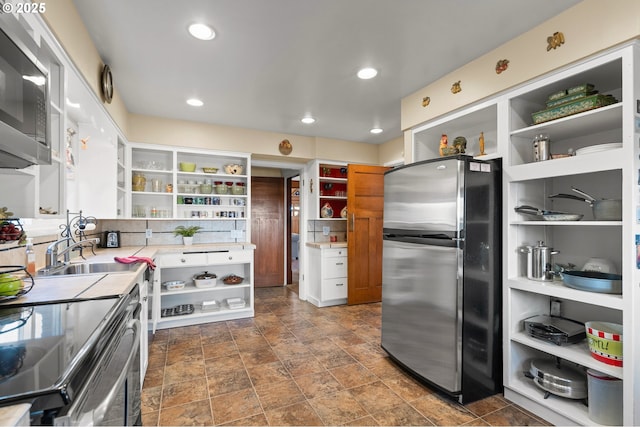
(295, 364)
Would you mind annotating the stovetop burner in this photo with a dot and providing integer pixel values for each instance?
(43, 346)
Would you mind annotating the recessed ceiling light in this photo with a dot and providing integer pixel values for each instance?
(367, 73)
(376, 130)
(202, 31)
(195, 102)
(307, 120)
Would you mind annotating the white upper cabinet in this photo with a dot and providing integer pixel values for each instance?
(170, 182)
(92, 157)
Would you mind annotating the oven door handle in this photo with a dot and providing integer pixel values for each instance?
(100, 410)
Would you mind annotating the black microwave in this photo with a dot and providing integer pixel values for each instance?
(24, 108)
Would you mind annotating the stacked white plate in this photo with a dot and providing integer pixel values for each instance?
(598, 148)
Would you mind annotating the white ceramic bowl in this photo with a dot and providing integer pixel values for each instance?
(601, 265)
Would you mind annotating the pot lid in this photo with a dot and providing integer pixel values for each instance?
(205, 276)
(564, 375)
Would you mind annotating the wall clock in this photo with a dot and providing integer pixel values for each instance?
(106, 80)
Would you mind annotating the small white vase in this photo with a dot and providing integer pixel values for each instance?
(188, 241)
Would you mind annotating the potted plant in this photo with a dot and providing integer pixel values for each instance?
(187, 233)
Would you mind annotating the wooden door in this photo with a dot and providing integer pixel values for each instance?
(267, 230)
(365, 197)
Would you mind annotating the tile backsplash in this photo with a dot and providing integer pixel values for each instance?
(133, 233)
(315, 230)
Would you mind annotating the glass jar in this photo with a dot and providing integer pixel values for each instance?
(138, 182)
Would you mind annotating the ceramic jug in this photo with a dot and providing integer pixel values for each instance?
(326, 211)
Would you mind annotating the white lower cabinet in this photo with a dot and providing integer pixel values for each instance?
(328, 281)
(222, 301)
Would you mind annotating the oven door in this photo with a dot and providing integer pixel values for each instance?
(111, 394)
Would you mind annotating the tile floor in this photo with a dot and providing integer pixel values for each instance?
(295, 364)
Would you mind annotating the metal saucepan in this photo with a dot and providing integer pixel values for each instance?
(544, 215)
(603, 209)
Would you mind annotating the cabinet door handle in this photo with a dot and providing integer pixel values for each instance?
(339, 263)
(230, 258)
(183, 260)
(339, 284)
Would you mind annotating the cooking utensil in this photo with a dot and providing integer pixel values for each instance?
(603, 209)
(205, 280)
(174, 285)
(557, 330)
(545, 215)
(539, 261)
(212, 305)
(232, 279)
(593, 281)
(561, 380)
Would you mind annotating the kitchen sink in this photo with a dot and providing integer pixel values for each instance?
(89, 268)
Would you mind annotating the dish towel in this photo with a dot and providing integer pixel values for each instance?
(134, 259)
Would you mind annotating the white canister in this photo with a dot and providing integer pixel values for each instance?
(605, 398)
(541, 147)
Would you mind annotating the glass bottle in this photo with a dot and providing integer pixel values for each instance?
(30, 257)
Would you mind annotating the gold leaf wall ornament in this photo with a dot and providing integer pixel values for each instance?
(455, 88)
(426, 101)
(502, 65)
(285, 147)
(554, 41)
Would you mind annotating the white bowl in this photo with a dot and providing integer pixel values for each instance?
(602, 265)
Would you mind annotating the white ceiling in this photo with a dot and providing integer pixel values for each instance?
(275, 61)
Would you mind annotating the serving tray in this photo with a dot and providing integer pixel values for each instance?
(578, 106)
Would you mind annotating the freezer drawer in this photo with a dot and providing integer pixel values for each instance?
(421, 310)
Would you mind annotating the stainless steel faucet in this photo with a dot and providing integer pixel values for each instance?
(53, 253)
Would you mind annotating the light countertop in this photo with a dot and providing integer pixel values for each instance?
(64, 288)
(325, 245)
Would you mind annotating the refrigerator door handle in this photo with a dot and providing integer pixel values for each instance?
(423, 240)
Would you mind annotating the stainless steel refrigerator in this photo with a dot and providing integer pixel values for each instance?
(441, 274)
